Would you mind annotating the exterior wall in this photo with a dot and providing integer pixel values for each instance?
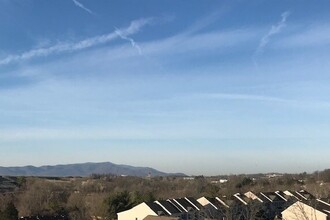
(286, 192)
(160, 218)
(203, 201)
(251, 195)
(138, 212)
(301, 211)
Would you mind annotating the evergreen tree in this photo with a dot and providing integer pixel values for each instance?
(9, 213)
(118, 203)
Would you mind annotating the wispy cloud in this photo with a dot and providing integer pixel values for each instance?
(275, 29)
(204, 43)
(263, 98)
(204, 22)
(58, 48)
(80, 5)
(131, 40)
(58, 133)
(315, 35)
(246, 97)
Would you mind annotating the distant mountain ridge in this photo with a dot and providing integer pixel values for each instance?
(83, 169)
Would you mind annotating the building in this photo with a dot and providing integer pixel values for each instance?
(301, 195)
(257, 206)
(150, 217)
(141, 211)
(179, 208)
(315, 209)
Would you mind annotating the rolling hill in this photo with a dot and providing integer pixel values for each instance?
(83, 169)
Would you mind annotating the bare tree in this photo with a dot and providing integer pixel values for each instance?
(302, 211)
(77, 207)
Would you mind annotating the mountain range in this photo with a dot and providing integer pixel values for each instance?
(83, 169)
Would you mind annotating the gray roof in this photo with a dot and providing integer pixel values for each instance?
(184, 203)
(194, 201)
(156, 208)
(215, 202)
(270, 197)
(319, 205)
(170, 207)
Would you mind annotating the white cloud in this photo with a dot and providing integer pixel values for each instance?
(58, 48)
(80, 5)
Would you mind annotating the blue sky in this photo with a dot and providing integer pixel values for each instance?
(201, 87)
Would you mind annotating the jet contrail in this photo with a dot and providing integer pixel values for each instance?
(82, 6)
(67, 47)
(131, 40)
(275, 29)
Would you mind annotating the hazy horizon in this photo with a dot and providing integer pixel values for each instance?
(178, 171)
(209, 87)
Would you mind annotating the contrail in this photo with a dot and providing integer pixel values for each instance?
(275, 29)
(80, 5)
(131, 40)
(66, 47)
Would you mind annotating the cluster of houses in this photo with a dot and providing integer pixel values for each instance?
(286, 205)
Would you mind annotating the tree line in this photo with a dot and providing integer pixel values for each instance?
(106, 195)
